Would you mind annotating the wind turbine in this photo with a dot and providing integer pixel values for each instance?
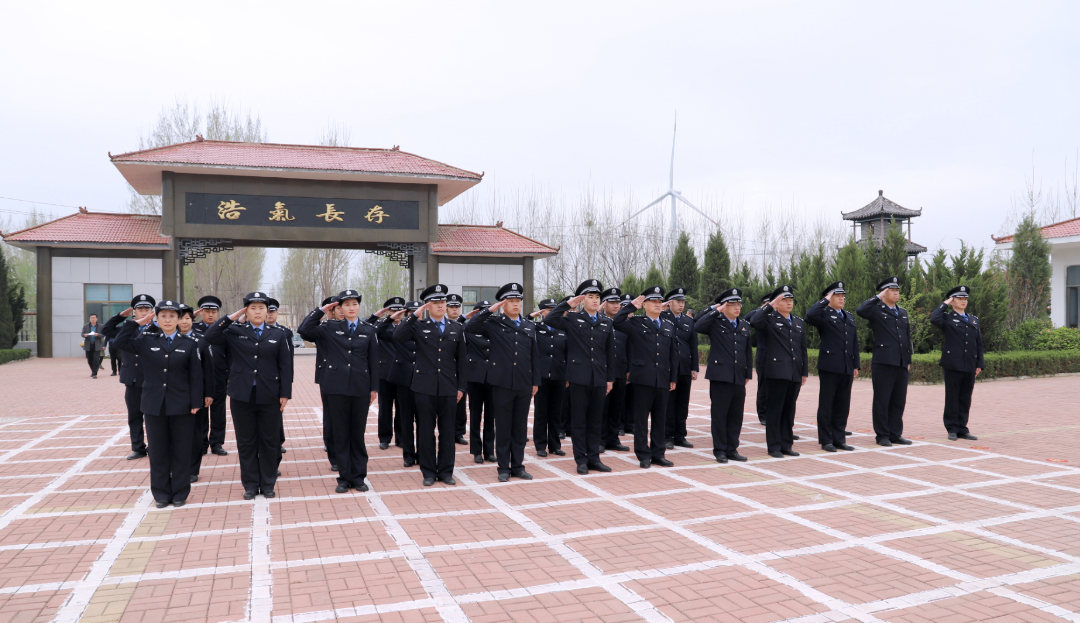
(673, 194)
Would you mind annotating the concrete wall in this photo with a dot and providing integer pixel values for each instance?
(456, 276)
(70, 274)
(1061, 257)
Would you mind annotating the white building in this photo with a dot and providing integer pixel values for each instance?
(1064, 239)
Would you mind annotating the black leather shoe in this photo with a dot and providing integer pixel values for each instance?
(269, 494)
(218, 450)
(582, 470)
(279, 473)
(383, 445)
(761, 421)
(669, 444)
(490, 459)
(622, 431)
(776, 455)
(845, 446)
(789, 453)
(720, 458)
(796, 437)
(901, 441)
(461, 441)
(969, 437)
(250, 494)
(93, 376)
(504, 477)
(333, 468)
(428, 482)
(601, 450)
(283, 450)
(113, 374)
(829, 447)
(619, 448)
(325, 450)
(682, 443)
(735, 456)
(160, 504)
(194, 478)
(598, 466)
(562, 435)
(524, 475)
(478, 459)
(847, 433)
(953, 436)
(559, 452)
(646, 464)
(409, 462)
(449, 480)
(663, 462)
(884, 442)
(541, 453)
(178, 503)
(135, 455)
(341, 489)
(362, 488)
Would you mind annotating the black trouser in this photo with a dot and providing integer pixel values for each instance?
(890, 396)
(199, 428)
(727, 401)
(780, 416)
(349, 415)
(834, 402)
(257, 442)
(649, 400)
(170, 464)
(586, 411)
(564, 422)
(958, 388)
(511, 410)
(481, 438)
(133, 400)
(762, 403)
(93, 357)
(432, 412)
(614, 403)
(628, 410)
(115, 358)
(678, 408)
(547, 414)
(387, 395)
(405, 424)
(461, 418)
(217, 416)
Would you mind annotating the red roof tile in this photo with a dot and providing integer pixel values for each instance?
(312, 157)
(1063, 229)
(95, 227)
(486, 239)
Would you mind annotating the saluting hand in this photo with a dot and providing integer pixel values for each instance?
(419, 313)
(577, 300)
(775, 303)
(147, 319)
(382, 311)
(236, 314)
(398, 314)
(720, 308)
(126, 313)
(949, 300)
(665, 306)
(472, 313)
(497, 306)
(326, 308)
(638, 302)
(197, 312)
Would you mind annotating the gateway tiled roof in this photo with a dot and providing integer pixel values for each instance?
(309, 157)
(95, 227)
(486, 239)
(1063, 229)
(880, 207)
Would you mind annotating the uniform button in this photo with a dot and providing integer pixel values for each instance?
(256, 371)
(256, 356)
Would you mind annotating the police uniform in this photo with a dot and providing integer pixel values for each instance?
(590, 366)
(761, 340)
(615, 401)
(438, 377)
(514, 374)
(260, 373)
(961, 358)
(481, 416)
(838, 359)
(351, 380)
(273, 305)
(202, 417)
(327, 424)
(890, 364)
(653, 368)
(400, 380)
(730, 367)
(627, 427)
(216, 436)
(131, 377)
(172, 389)
(786, 365)
(461, 419)
(548, 402)
(687, 345)
(386, 389)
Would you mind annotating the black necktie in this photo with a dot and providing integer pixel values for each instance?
(258, 333)
(352, 328)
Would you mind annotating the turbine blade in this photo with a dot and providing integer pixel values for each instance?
(693, 207)
(662, 197)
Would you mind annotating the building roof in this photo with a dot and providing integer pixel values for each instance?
(491, 240)
(1063, 229)
(143, 169)
(90, 229)
(909, 246)
(881, 206)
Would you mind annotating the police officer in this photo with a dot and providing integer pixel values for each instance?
(761, 341)
(453, 312)
(653, 372)
(513, 373)
(615, 402)
(728, 371)
(481, 416)
(687, 344)
(400, 380)
(891, 363)
(185, 325)
(786, 368)
(351, 380)
(172, 394)
(320, 366)
(548, 402)
(627, 426)
(131, 375)
(386, 360)
(438, 382)
(838, 365)
(590, 368)
(961, 359)
(260, 373)
(271, 320)
(209, 308)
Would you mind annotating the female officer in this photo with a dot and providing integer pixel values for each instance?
(186, 325)
(172, 393)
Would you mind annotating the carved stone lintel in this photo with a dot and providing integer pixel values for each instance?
(191, 249)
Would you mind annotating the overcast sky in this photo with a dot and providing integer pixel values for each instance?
(945, 106)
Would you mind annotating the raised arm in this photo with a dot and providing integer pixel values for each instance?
(477, 325)
(705, 320)
(937, 317)
(555, 318)
(215, 333)
(125, 339)
(866, 310)
(621, 322)
(311, 329)
(407, 329)
(815, 316)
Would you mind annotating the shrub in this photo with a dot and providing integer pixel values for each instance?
(1062, 338)
(14, 354)
(1025, 334)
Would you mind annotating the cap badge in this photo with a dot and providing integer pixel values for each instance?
(513, 287)
(258, 294)
(735, 291)
(656, 289)
(785, 288)
(840, 283)
(142, 297)
(963, 289)
(894, 279)
(438, 288)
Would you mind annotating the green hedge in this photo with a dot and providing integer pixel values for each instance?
(925, 368)
(13, 354)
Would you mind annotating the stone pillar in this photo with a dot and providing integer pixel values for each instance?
(527, 279)
(168, 276)
(44, 302)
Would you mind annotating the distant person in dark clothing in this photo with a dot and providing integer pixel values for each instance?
(93, 343)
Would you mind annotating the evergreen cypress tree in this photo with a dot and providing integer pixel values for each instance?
(17, 298)
(684, 267)
(1028, 273)
(8, 337)
(716, 269)
(654, 278)
(631, 285)
(851, 267)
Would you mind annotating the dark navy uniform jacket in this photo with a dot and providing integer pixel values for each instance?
(622, 352)
(839, 351)
(963, 347)
(785, 354)
(130, 373)
(590, 348)
(352, 359)
(440, 357)
(220, 360)
(892, 333)
(688, 342)
(172, 373)
(386, 348)
(206, 355)
(477, 348)
(404, 354)
(265, 364)
(552, 343)
(762, 339)
(731, 352)
(655, 360)
(513, 360)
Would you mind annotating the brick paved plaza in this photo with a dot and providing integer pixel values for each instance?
(938, 531)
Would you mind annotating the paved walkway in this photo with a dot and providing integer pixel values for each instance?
(938, 531)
